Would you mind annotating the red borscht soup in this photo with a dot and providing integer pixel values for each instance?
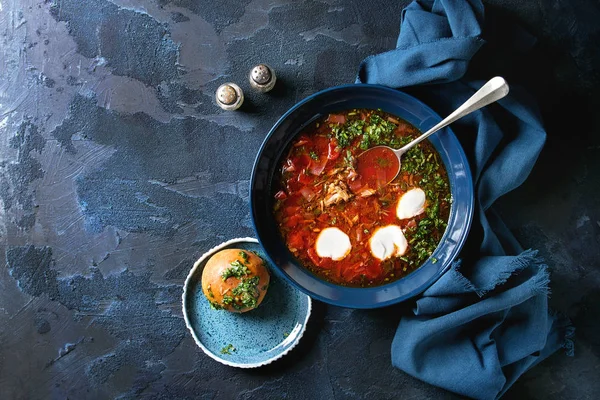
(332, 219)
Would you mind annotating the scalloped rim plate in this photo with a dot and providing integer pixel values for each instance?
(286, 344)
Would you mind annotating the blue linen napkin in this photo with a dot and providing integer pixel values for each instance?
(486, 321)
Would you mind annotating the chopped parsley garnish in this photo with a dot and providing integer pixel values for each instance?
(313, 155)
(378, 132)
(244, 256)
(216, 306)
(228, 349)
(349, 158)
(246, 292)
(244, 295)
(236, 270)
(374, 132)
(424, 238)
(210, 292)
(383, 162)
(347, 132)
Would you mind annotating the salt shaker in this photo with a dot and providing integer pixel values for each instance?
(262, 78)
(229, 96)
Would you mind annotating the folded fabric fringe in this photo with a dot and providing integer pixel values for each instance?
(486, 321)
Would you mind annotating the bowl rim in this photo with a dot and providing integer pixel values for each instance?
(419, 288)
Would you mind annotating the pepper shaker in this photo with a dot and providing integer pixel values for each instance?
(262, 78)
(229, 96)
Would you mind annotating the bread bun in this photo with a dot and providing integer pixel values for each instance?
(235, 280)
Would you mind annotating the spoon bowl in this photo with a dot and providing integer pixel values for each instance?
(377, 167)
(380, 165)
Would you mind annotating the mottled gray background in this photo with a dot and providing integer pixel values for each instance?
(117, 171)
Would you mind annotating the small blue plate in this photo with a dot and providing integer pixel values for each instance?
(260, 336)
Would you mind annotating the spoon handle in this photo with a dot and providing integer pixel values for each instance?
(495, 89)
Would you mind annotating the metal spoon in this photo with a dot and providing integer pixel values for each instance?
(495, 89)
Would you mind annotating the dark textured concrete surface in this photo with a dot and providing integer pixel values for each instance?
(117, 171)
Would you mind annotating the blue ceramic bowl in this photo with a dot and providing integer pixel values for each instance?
(275, 146)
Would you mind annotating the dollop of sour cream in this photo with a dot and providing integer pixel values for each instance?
(387, 242)
(332, 243)
(411, 204)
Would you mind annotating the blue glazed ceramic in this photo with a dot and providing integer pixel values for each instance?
(264, 178)
(257, 337)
